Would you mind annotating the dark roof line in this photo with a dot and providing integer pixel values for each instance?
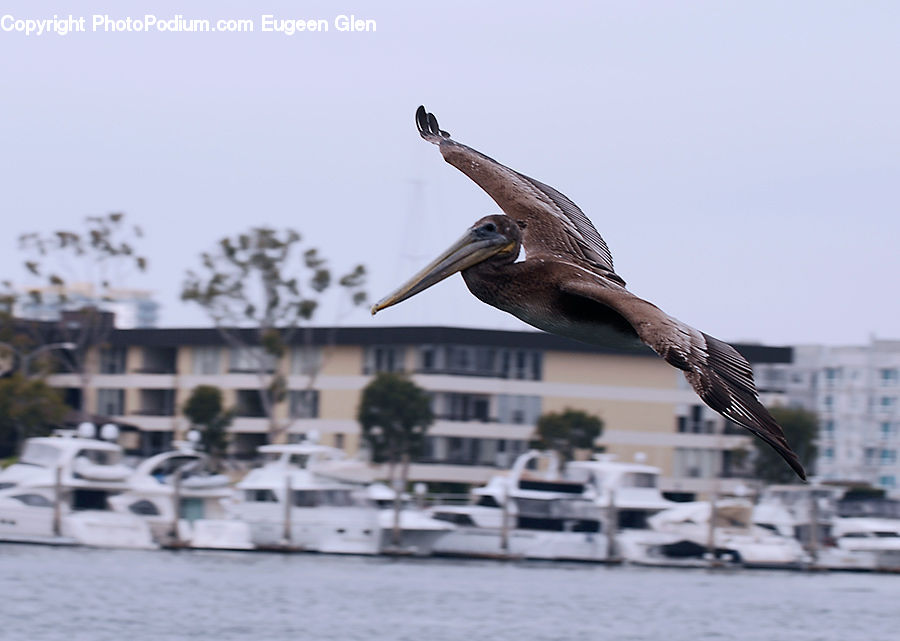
(416, 335)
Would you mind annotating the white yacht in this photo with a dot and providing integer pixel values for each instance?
(291, 502)
(59, 491)
(809, 513)
(875, 538)
(204, 501)
(735, 538)
(630, 492)
(531, 512)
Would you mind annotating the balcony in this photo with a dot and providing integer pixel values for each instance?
(158, 360)
(156, 402)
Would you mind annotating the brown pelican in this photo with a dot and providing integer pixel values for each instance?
(567, 285)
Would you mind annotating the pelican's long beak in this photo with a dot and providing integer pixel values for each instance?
(469, 250)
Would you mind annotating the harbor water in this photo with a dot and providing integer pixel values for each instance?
(80, 594)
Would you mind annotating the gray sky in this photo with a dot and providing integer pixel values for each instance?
(740, 159)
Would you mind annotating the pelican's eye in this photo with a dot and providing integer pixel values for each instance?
(489, 227)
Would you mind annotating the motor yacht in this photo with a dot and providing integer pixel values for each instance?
(59, 492)
(530, 512)
(809, 513)
(293, 502)
(732, 535)
(181, 480)
(629, 492)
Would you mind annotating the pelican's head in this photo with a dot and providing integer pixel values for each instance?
(495, 237)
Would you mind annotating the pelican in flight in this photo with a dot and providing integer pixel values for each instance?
(567, 285)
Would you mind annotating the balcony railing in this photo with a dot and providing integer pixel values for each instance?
(155, 411)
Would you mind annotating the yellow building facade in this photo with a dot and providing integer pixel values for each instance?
(488, 389)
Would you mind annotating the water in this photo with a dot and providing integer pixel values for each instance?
(69, 594)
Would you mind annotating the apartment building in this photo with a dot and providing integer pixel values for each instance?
(488, 388)
(131, 308)
(855, 391)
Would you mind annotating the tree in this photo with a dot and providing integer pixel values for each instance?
(92, 261)
(395, 415)
(28, 407)
(567, 431)
(204, 408)
(801, 428)
(250, 281)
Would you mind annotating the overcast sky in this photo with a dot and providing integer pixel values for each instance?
(742, 160)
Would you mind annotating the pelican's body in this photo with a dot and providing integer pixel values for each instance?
(567, 285)
(532, 291)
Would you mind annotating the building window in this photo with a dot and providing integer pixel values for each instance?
(887, 403)
(428, 358)
(157, 402)
(518, 410)
(339, 441)
(481, 360)
(888, 457)
(249, 403)
(207, 360)
(246, 360)
(384, 358)
(869, 454)
(304, 403)
(693, 462)
(828, 402)
(832, 375)
(111, 402)
(159, 360)
(887, 430)
(828, 453)
(888, 481)
(112, 360)
(305, 360)
(828, 427)
(888, 376)
(452, 406)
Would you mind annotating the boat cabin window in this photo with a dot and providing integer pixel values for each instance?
(487, 501)
(260, 496)
(313, 498)
(633, 519)
(337, 498)
(89, 500)
(40, 454)
(856, 535)
(34, 500)
(192, 509)
(639, 479)
(454, 517)
(144, 508)
(304, 498)
(887, 535)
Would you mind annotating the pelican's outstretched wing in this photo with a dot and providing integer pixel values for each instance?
(551, 223)
(718, 373)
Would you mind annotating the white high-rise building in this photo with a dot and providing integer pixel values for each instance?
(855, 391)
(133, 308)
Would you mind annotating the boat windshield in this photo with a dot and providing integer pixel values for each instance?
(296, 460)
(40, 454)
(99, 457)
(299, 460)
